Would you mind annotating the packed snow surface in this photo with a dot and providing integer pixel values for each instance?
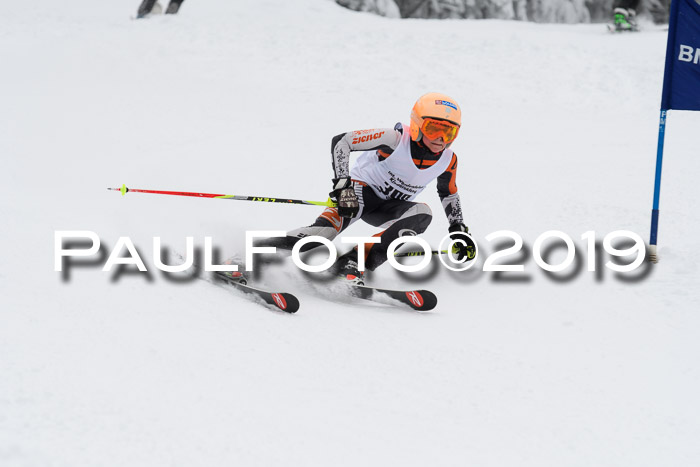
(513, 369)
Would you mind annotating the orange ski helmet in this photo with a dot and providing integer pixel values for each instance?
(435, 106)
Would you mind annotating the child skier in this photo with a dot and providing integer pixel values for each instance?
(396, 165)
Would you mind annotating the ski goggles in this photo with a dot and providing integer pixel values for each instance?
(434, 129)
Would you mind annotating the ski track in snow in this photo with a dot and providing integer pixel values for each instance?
(559, 133)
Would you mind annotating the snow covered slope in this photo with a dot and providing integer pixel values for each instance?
(244, 97)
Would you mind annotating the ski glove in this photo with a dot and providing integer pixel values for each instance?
(344, 195)
(464, 250)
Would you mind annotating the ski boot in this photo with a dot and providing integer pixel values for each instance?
(234, 276)
(346, 268)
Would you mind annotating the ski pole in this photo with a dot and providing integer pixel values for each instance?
(265, 199)
(420, 253)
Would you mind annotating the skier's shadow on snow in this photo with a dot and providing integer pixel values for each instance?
(322, 277)
(421, 277)
(262, 261)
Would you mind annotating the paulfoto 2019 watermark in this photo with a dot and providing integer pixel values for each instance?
(84, 243)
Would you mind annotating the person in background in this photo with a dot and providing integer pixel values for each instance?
(624, 15)
(152, 6)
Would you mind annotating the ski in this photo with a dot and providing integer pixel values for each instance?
(614, 30)
(282, 300)
(421, 300)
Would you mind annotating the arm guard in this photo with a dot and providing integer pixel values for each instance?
(447, 190)
(364, 140)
